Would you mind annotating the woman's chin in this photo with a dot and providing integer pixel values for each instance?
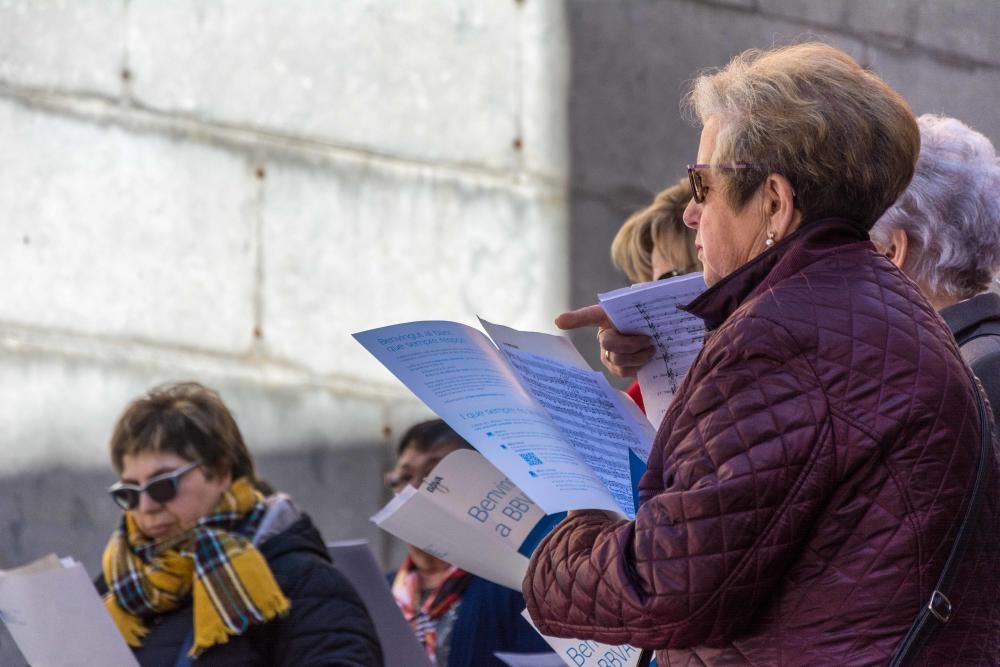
(157, 533)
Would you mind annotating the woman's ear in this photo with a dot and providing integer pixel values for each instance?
(898, 246)
(779, 206)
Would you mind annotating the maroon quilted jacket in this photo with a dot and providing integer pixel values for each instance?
(804, 488)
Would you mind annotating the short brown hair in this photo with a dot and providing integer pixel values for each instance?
(187, 419)
(428, 435)
(660, 227)
(846, 141)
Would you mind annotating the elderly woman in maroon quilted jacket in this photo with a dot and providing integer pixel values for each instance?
(805, 488)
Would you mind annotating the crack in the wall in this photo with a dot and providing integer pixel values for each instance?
(120, 352)
(257, 347)
(517, 141)
(253, 141)
(125, 73)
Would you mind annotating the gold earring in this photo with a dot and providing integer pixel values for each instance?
(770, 239)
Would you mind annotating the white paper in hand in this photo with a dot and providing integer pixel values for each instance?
(587, 652)
(55, 615)
(529, 659)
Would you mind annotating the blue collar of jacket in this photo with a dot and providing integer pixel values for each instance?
(810, 242)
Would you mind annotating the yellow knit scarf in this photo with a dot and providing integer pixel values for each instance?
(227, 578)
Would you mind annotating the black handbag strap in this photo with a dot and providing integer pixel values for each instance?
(938, 608)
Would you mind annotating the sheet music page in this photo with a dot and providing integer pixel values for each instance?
(651, 309)
(592, 415)
(464, 378)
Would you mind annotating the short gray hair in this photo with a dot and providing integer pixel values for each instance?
(841, 135)
(951, 211)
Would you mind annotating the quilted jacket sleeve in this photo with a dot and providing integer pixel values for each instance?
(737, 482)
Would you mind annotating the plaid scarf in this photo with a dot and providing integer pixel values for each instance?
(215, 563)
(406, 590)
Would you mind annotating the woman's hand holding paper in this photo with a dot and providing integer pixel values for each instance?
(622, 354)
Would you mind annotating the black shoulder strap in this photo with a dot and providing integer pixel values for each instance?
(938, 608)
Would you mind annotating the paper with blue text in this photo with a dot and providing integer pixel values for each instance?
(589, 653)
(470, 514)
(532, 406)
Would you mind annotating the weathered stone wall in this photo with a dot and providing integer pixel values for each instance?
(631, 60)
(225, 190)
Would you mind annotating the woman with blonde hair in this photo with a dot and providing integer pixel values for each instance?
(203, 568)
(822, 490)
(654, 243)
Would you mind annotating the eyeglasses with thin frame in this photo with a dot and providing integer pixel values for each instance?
(698, 187)
(162, 488)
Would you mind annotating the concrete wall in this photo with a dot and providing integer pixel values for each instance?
(631, 60)
(225, 190)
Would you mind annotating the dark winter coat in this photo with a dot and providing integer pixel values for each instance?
(804, 487)
(327, 625)
(976, 325)
(489, 620)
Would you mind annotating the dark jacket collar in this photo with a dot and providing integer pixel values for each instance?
(807, 244)
(300, 536)
(964, 317)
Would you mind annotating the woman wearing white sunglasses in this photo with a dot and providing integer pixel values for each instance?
(203, 565)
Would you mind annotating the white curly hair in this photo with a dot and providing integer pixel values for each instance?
(950, 213)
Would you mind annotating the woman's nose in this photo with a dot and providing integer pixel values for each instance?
(692, 214)
(147, 504)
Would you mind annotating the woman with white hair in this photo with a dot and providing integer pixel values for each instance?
(944, 233)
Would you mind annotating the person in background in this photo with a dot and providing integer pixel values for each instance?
(944, 233)
(203, 569)
(826, 453)
(459, 618)
(654, 243)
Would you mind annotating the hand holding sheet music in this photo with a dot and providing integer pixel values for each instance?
(651, 309)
